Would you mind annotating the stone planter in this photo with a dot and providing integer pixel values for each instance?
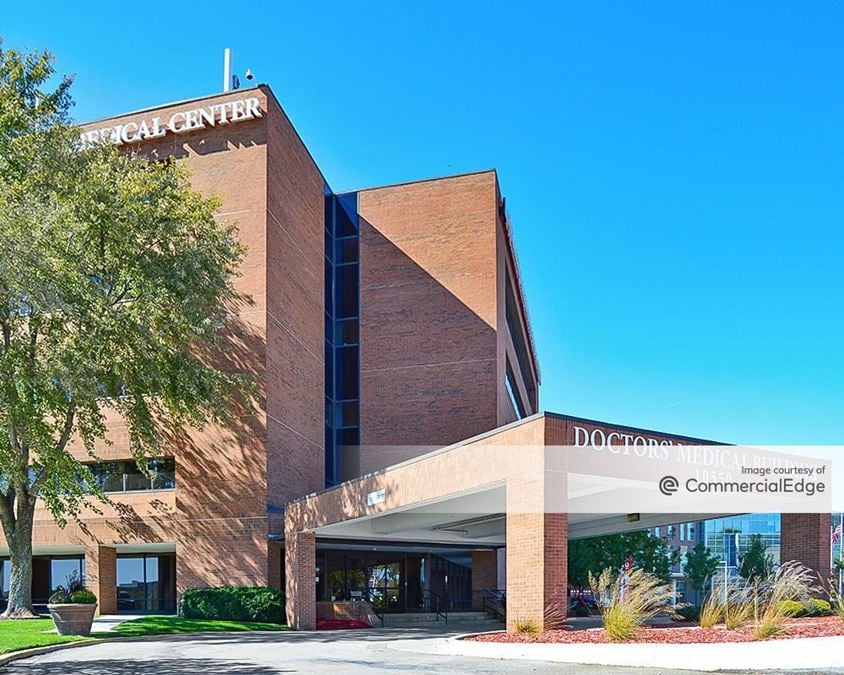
(73, 618)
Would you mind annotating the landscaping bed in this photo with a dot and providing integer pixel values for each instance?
(828, 626)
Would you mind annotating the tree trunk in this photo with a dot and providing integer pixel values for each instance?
(20, 552)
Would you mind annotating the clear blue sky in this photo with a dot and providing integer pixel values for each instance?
(673, 171)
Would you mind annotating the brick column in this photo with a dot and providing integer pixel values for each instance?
(806, 538)
(537, 552)
(300, 578)
(484, 574)
(101, 576)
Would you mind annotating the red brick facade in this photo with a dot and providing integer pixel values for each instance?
(300, 579)
(216, 520)
(434, 259)
(806, 538)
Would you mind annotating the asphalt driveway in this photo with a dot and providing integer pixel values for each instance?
(270, 653)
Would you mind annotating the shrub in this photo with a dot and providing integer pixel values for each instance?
(620, 623)
(555, 616)
(816, 607)
(72, 592)
(711, 615)
(792, 608)
(737, 614)
(793, 581)
(83, 597)
(582, 611)
(629, 600)
(233, 603)
(836, 600)
(768, 626)
(528, 626)
(688, 612)
(712, 611)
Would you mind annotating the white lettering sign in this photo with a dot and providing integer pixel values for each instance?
(180, 122)
(621, 443)
(377, 497)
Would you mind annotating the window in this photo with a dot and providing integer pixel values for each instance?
(48, 573)
(146, 583)
(346, 250)
(347, 332)
(346, 294)
(64, 570)
(342, 335)
(517, 335)
(125, 476)
(348, 415)
(513, 392)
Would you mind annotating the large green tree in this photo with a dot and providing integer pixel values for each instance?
(755, 563)
(700, 565)
(115, 280)
(596, 554)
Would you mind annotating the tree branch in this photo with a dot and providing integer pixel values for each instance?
(67, 430)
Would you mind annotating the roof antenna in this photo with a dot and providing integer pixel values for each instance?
(227, 70)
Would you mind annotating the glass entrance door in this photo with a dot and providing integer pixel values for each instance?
(385, 586)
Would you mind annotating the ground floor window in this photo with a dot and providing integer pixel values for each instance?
(395, 581)
(48, 573)
(146, 583)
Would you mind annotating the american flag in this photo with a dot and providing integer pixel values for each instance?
(836, 534)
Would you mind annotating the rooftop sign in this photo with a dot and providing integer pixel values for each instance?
(180, 122)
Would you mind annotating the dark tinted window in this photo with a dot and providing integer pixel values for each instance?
(126, 476)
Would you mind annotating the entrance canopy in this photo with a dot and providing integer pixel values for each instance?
(530, 487)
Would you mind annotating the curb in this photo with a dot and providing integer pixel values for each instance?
(777, 655)
(6, 659)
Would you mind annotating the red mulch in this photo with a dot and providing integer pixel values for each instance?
(340, 624)
(827, 626)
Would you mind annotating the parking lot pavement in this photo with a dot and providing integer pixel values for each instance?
(366, 651)
(271, 653)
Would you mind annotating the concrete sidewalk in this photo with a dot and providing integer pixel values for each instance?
(107, 622)
(822, 654)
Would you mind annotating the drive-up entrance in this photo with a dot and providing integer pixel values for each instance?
(505, 490)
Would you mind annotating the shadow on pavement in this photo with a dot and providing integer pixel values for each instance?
(316, 637)
(181, 666)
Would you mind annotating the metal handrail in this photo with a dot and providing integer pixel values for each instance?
(370, 596)
(440, 606)
(495, 602)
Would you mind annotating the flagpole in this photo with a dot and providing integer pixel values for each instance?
(840, 531)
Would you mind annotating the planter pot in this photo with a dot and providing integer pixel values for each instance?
(73, 618)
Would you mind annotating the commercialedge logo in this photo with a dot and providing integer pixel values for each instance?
(180, 122)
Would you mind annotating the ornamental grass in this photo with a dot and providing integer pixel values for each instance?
(628, 600)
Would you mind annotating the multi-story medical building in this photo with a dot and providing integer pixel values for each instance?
(396, 438)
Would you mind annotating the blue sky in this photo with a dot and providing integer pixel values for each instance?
(673, 171)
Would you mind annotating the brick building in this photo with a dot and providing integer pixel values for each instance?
(388, 335)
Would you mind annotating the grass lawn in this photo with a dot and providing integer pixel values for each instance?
(17, 634)
(152, 625)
